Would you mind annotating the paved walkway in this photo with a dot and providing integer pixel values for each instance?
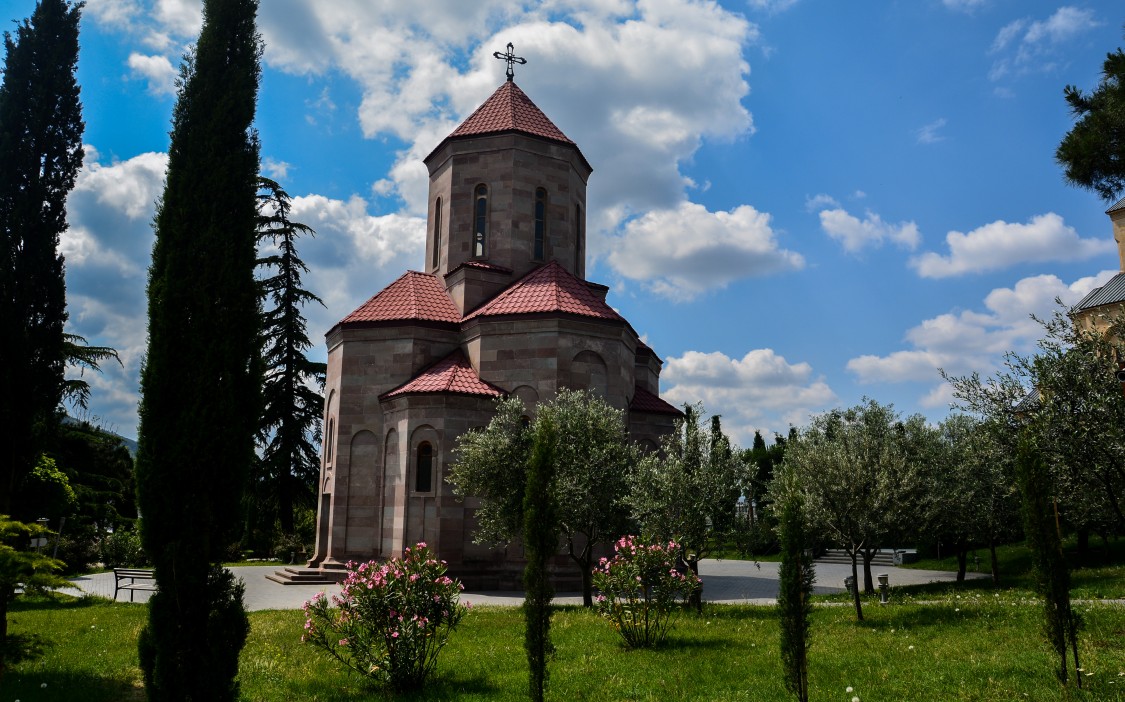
(723, 581)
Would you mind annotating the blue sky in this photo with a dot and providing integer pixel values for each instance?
(797, 203)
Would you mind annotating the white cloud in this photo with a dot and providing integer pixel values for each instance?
(870, 232)
(157, 70)
(965, 341)
(963, 5)
(929, 133)
(1024, 45)
(771, 6)
(683, 252)
(759, 391)
(821, 201)
(278, 170)
(1002, 244)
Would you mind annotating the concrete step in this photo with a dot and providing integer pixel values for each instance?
(883, 558)
(307, 576)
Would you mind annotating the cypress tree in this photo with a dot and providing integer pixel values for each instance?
(1052, 576)
(201, 383)
(540, 542)
(40, 154)
(290, 426)
(794, 597)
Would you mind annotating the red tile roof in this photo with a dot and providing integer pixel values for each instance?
(645, 401)
(452, 374)
(510, 109)
(414, 296)
(549, 288)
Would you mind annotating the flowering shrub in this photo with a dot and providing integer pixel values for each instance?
(639, 589)
(390, 619)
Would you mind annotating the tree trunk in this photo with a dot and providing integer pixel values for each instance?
(855, 586)
(995, 561)
(587, 582)
(696, 600)
(962, 562)
(868, 583)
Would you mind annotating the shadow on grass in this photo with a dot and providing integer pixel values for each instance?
(436, 688)
(58, 602)
(55, 686)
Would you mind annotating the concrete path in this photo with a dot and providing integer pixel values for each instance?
(725, 581)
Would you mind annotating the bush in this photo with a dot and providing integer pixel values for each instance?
(77, 548)
(123, 548)
(390, 620)
(639, 590)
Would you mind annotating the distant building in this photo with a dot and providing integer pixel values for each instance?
(1102, 306)
(500, 307)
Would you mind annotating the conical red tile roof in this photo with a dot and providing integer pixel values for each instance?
(414, 296)
(452, 374)
(645, 401)
(510, 109)
(549, 288)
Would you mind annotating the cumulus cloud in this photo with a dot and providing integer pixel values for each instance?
(964, 341)
(1025, 45)
(1002, 244)
(771, 6)
(157, 70)
(871, 232)
(682, 252)
(423, 67)
(760, 391)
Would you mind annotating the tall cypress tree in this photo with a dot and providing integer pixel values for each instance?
(290, 426)
(540, 543)
(201, 384)
(40, 154)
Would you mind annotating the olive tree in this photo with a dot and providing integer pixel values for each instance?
(591, 462)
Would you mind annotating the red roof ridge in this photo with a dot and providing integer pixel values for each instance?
(450, 375)
(548, 288)
(413, 296)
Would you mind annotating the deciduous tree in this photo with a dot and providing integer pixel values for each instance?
(591, 464)
(201, 383)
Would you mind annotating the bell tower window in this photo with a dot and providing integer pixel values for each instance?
(579, 239)
(480, 220)
(540, 222)
(437, 234)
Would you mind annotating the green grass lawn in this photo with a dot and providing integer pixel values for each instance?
(972, 645)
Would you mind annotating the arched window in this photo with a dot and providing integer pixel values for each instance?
(437, 234)
(540, 222)
(424, 469)
(330, 440)
(480, 220)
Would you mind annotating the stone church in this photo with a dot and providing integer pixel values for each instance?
(501, 307)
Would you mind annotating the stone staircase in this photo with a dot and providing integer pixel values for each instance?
(885, 557)
(307, 576)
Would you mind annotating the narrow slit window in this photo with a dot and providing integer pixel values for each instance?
(577, 240)
(424, 471)
(480, 221)
(437, 235)
(540, 222)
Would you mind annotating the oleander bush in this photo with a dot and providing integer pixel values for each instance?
(641, 589)
(390, 620)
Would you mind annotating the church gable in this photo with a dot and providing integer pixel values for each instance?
(548, 289)
(452, 374)
(413, 296)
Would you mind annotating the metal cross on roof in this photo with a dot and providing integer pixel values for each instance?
(511, 58)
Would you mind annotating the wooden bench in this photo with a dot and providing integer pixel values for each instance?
(138, 579)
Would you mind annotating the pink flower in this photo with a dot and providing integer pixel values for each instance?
(343, 642)
(394, 634)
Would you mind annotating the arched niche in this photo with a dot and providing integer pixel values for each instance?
(529, 396)
(588, 372)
